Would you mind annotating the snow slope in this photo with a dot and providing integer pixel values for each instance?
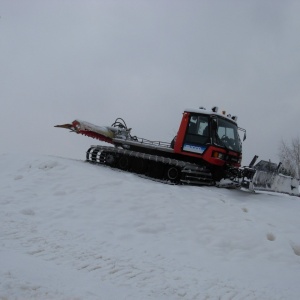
(72, 230)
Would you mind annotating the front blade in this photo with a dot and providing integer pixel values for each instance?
(268, 178)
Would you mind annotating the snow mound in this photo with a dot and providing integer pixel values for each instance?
(72, 230)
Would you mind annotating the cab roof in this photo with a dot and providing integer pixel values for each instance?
(214, 111)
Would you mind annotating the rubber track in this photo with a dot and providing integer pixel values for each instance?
(191, 174)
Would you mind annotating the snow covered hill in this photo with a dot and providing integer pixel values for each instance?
(72, 230)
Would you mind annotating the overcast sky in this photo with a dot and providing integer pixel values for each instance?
(146, 61)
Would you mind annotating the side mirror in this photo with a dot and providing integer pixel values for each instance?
(241, 129)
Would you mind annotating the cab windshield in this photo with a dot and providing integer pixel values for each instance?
(227, 135)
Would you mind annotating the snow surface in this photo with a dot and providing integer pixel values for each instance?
(72, 230)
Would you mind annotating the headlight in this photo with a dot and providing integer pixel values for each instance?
(218, 155)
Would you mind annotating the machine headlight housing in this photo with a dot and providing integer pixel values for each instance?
(218, 155)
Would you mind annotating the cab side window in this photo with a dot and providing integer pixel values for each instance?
(198, 130)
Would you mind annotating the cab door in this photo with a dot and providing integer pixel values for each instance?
(197, 135)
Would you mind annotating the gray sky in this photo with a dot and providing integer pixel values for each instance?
(146, 61)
